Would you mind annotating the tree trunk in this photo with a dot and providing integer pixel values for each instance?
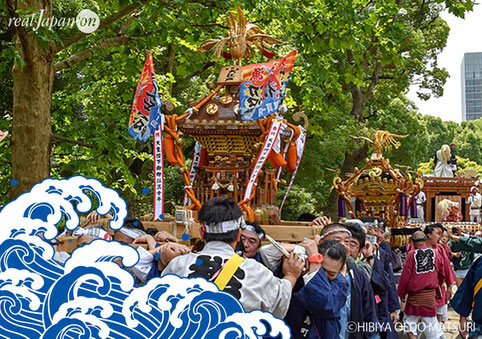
(352, 159)
(32, 96)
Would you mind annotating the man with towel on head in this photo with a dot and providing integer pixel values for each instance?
(251, 237)
(88, 233)
(252, 283)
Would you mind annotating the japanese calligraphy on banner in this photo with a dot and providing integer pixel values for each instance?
(300, 148)
(262, 157)
(264, 87)
(158, 173)
(196, 158)
(146, 109)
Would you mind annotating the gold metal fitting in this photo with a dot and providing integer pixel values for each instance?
(226, 100)
(212, 109)
(179, 142)
(257, 146)
(210, 85)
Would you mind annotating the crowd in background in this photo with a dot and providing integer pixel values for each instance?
(338, 284)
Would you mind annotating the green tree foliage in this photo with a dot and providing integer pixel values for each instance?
(356, 58)
(299, 201)
(467, 136)
(469, 140)
(462, 163)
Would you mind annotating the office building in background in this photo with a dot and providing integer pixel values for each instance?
(472, 86)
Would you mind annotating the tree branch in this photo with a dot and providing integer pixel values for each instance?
(210, 25)
(21, 32)
(428, 23)
(72, 141)
(75, 37)
(374, 81)
(419, 16)
(129, 20)
(358, 103)
(88, 52)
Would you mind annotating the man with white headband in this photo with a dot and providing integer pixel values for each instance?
(322, 293)
(382, 280)
(252, 283)
(88, 233)
(362, 301)
(251, 236)
(132, 229)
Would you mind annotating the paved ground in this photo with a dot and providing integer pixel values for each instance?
(451, 326)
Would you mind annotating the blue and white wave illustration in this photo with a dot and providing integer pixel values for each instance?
(93, 297)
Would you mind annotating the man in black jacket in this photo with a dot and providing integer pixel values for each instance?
(453, 158)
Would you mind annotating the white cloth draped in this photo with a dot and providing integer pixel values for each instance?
(442, 169)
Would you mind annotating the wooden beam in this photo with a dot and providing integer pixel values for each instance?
(286, 232)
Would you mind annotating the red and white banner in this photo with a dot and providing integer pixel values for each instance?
(158, 173)
(300, 148)
(263, 156)
(196, 158)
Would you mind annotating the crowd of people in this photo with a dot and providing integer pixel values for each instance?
(338, 284)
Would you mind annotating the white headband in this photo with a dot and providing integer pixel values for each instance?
(95, 232)
(132, 232)
(372, 223)
(225, 226)
(336, 230)
(357, 222)
(252, 229)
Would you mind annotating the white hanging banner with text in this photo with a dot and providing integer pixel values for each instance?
(300, 148)
(158, 173)
(263, 156)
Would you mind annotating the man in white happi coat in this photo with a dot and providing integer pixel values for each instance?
(475, 202)
(252, 283)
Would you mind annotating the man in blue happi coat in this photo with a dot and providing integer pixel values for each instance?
(384, 289)
(363, 309)
(469, 299)
(320, 294)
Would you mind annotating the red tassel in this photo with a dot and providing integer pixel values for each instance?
(291, 157)
(276, 160)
